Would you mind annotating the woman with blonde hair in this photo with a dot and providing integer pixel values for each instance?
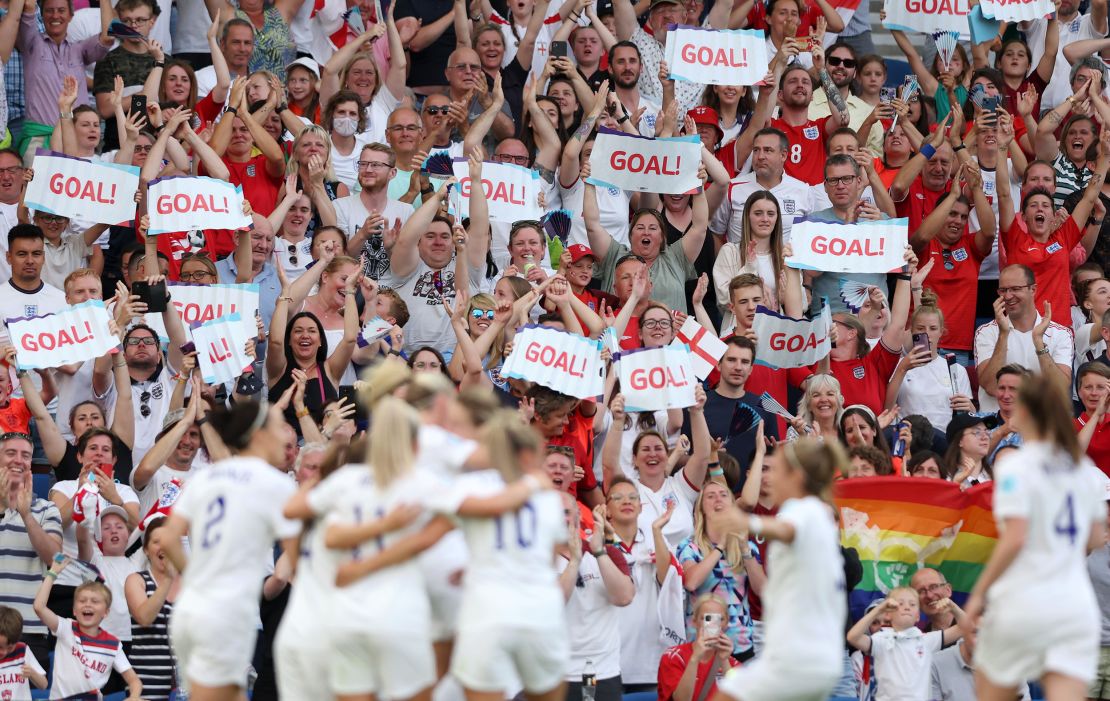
(716, 560)
(310, 172)
(819, 409)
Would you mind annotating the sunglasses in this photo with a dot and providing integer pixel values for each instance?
(949, 264)
(482, 314)
(293, 259)
(837, 61)
(4, 437)
(433, 110)
(144, 404)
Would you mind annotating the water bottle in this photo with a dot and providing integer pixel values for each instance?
(529, 262)
(899, 442)
(589, 682)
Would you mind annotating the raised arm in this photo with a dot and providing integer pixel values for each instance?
(398, 61)
(913, 167)
(570, 169)
(925, 78)
(160, 452)
(52, 442)
(404, 256)
(481, 126)
(696, 467)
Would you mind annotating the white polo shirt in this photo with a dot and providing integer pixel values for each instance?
(795, 198)
(903, 662)
(1019, 349)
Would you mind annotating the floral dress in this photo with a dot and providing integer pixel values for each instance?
(274, 48)
(732, 588)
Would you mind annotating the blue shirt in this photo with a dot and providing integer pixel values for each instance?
(268, 286)
(828, 285)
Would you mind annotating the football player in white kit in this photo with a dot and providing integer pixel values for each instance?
(511, 625)
(804, 600)
(1041, 617)
(232, 514)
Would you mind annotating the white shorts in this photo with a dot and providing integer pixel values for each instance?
(212, 651)
(302, 661)
(440, 564)
(388, 665)
(763, 680)
(1008, 654)
(496, 658)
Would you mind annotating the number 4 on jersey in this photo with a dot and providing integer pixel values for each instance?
(1065, 520)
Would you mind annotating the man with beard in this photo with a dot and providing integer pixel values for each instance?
(30, 537)
(365, 215)
(807, 154)
(152, 379)
(769, 149)
(26, 293)
(731, 410)
(624, 74)
(840, 66)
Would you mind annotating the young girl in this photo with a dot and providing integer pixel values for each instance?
(1050, 514)
(758, 251)
(803, 657)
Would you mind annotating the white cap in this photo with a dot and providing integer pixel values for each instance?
(307, 63)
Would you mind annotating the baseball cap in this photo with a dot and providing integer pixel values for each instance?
(308, 63)
(657, 3)
(112, 509)
(579, 251)
(959, 422)
(707, 116)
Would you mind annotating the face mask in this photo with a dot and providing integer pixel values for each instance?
(345, 126)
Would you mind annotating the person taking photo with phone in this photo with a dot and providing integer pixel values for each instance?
(689, 672)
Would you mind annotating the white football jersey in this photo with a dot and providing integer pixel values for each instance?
(511, 576)
(234, 514)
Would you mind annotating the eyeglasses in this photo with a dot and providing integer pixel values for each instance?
(140, 148)
(51, 218)
(377, 165)
(837, 61)
(949, 264)
(632, 498)
(842, 180)
(482, 313)
(144, 404)
(509, 158)
(136, 21)
(977, 431)
(652, 324)
(11, 170)
(932, 589)
(472, 67)
(198, 276)
(434, 110)
(1003, 291)
(407, 127)
(293, 259)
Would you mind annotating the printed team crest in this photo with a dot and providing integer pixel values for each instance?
(251, 170)
(859, 372)
(788, 206)
(30, 310)
(614, 191)
(669, 501)
(1054, 248)
(156, 390)
(960, 254)
(811, 133)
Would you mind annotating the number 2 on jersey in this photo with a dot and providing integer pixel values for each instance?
(525, 523)
(1065, 520)
(215, 512)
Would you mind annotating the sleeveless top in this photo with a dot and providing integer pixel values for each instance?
(318, 393)
(150, 649)
(274, 48)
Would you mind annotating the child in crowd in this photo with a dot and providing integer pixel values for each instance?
(17, 665)
(85, 654)
(902, 654)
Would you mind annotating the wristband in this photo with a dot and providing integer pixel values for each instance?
(755, 525)
(52, 573)
(231, 110)
(301, 413)
(159, 64)
(66, 115)
(600, 553)
(1043, 351)
(282, 108)
(719, 551)
(201, 421)
(903, 276)
(1095, 222)
(959, 148)
(928, 150)
(623, 119)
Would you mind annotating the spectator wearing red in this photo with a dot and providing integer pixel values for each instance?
(1093, 388)
(806, 158)
(923, 180)
(685, 670)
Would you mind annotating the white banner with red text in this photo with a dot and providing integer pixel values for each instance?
(640, 164)
(1017, 10)
(73, 335)
(558, 360)
(863, 247)
(198, 304)
(75, 187)
(716, 56)
(512, 191)
(656, 378)
(927, 16)
(185, 203)
(704, 346)
(221, 349)
(784, 342)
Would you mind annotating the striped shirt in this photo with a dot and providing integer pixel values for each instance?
(21, 569)
(1069, 178)
(150, 654)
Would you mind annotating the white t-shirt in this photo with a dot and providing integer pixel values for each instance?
(115, 571)
(512, 35)
(346, 166)
(510, 579)
(351, 213)
(15, 302)
(429, 324)
(612, 205)
(1059, 87)
(903, 661)
(989, 268)
(83, 663)
(157, 392)
(654, 504)
(63, 259)
(593, 623)
(796, 199)
(76, 388)
(1060, 500)
(642, 643)
(377, 114)
(1085, 351)
(67, 488)
(1019, 349)
(302, 250)
(804, 604)
(927, 389)
(13, 685)
(234, 514)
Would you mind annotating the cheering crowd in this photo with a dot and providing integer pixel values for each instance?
(372, 509)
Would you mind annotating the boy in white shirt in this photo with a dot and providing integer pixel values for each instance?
(903, 655)
(85, 653)
(17, 665)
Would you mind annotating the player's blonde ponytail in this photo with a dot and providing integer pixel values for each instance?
(392, 448)
(505, 436)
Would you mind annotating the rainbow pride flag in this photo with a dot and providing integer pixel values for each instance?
(899, 525)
